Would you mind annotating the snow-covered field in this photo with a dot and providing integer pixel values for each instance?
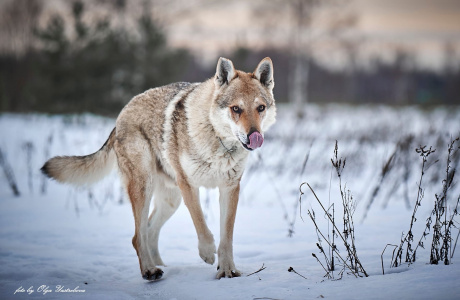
(76, 243)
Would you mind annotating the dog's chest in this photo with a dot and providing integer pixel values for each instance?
(214, 171)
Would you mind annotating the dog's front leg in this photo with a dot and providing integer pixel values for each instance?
(228, 203)
(206, 246)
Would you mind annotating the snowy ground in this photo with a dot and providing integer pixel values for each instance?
(80, 239)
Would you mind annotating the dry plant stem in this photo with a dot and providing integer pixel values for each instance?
(335, 250)
(425, 233)
(451, 222)
(29, 149)
(291, 230)
(260, 270)
(347, 203)
(385, 170)
(348, 227)
(441, 243)
(307, 156)
(455, 245)
(291, 225)
(300, 199)
(435, 255)
(327, 272)
(9, 174)
(381, 256)
(338, 232)
(320, 247)
(409, 237)
(318, 244)
(447, 244)
(332, 265)
(44, 180)
(291, 269)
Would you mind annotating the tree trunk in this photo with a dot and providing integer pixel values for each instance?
(299, 83)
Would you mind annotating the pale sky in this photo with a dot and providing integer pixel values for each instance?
(423, 26)
(212, 28)
(416, 18)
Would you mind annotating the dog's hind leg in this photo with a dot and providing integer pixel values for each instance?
(140, 199)
(166, 201)
(138, 175)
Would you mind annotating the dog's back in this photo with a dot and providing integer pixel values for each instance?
(144, 115)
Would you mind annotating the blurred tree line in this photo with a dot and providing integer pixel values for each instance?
(99, 67)
(98, 70)
(396, 82)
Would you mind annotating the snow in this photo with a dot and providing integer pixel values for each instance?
(80, 239)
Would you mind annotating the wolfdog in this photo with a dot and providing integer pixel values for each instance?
(171, 140)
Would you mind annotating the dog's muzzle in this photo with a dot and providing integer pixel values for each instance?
(255, 141)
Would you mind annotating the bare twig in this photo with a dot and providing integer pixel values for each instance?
(260, 270)
(291, 269)
(328, 274)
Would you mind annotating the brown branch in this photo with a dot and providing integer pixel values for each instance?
(260, 270)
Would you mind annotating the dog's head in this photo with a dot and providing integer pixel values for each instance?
(243, 106)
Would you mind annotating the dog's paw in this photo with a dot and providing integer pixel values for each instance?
(207, 251)
(227, 272)
(226, 266)
(153, 274)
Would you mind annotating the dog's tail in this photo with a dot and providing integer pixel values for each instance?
(82, 170)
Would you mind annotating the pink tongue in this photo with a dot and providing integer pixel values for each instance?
(255, 140)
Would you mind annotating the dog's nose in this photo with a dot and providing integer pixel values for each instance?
(255, 140)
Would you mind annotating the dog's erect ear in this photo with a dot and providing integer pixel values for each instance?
(225, 72)
(264, 72)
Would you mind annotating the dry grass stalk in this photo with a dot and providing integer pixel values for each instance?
(442, 236)
(9, 174)
(409, 237)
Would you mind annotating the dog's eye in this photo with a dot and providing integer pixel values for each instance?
(261, 108)
(236, 109)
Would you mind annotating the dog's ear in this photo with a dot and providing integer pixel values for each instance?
(264, 73)
(225, 72)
